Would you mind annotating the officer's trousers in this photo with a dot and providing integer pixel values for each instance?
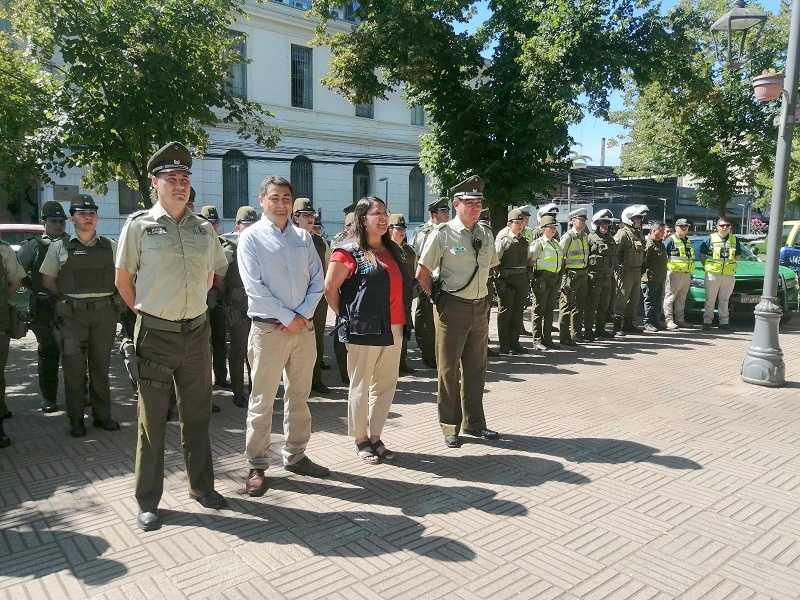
(5, 343)
(186, 358)
(545, 290)
(653, 299)
(629, 290)
(677, 287)
(510, 308)
(718, 288)
(48, 352)
(87, 339)
(319, 319)
(600, 291)
(219, 348)
(462, 338)
(572, 303)
(424, 328)
(239, 329)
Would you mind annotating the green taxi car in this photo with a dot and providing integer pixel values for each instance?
(747, 290)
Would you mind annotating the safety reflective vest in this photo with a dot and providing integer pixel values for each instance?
(577, 256)
(722, 260)
(550, 258)
(681, 256)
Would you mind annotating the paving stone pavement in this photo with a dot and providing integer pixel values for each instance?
(641, 468)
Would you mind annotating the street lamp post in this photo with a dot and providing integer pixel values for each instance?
(385, 180)
(763, 364)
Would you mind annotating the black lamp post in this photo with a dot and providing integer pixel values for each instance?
(730, 33)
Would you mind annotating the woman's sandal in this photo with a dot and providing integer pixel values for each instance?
(380, 449)
(366, 453)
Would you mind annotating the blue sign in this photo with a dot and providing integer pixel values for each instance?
(790, 257)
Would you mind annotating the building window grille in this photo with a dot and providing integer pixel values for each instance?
(416, 195)
(236, 85)
(302, 77)
(130, 200)
(234, 183)
(302, 177)
(365, 110)
(417, 115)
(360, 181)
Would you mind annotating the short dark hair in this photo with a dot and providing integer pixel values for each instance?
(721, 220)
(276, 180)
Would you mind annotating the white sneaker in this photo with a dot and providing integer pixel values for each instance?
(672, 326)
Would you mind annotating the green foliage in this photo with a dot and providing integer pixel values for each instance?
(701, 118)
(134, 75)
(507, 118)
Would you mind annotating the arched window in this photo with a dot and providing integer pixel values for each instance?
(416, 195)
(234, 183)
(302, 177)
(360, 180)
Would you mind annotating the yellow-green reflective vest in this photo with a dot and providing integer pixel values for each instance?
(550, 258)
(681, 256)
(722, 260)
(577, 256)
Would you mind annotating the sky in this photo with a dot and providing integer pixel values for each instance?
(589, 133)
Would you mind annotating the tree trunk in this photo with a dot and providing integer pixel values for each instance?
(144, 191)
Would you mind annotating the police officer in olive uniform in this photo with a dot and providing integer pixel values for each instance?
(165, 265)
(654, 274)
(236, 309)
(630, 256)
(349, 219)
(424, 328)
(31, 255)
(545, 282)
(303, 217)
(397, 231)
(340, 349)
(216, 308)
(548, 210)
(11, 275)
(574, 281)
(511, 283)
(462, 252)
(80, 271)
(602, 264)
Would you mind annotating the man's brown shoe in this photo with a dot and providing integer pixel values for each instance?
(256, 483)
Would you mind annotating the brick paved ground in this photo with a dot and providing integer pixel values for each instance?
(635, 469)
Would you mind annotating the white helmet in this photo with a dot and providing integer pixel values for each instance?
(637, 210)
(547, 209)
(603, 215)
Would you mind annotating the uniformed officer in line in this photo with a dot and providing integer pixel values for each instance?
(190, 201)
(630, 255)
(545, 282)
(718, 253)
(424, 328)
(303, 217)
(397, 231)
(319, 230)
(216, 309)
(549, 210)
(574, 281)
(340, 349)
(462, 251)
(235, 300)
(31, 255)
(511, 283)
(80, 272)
(680, 265)
(11, 275)
(165, 266)
(602, 264)
(654, 274)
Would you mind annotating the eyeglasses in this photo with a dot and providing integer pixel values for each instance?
(306, 215)
(724, 225)
(397, 227)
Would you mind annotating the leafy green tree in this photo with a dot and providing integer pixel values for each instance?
(506, 118)
(701, 118)
(135, 75)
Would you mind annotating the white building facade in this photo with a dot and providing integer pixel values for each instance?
(332, 151)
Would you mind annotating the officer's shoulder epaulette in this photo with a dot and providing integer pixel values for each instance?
(137, 214)
(439, 226)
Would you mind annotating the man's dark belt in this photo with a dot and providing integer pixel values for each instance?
(182, 326)
(266, 320)
(465, 300)
(89, 303)
(522, 268)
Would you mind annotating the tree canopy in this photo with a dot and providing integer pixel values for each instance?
(701, 118)
(131, 77)
(505, 118)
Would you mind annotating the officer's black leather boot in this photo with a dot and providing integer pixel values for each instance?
(618, 327)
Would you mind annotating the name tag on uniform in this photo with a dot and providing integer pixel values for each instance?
(458, 249)
(79, 253)
(156, 230)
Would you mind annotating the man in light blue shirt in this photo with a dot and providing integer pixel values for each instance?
(282, 275)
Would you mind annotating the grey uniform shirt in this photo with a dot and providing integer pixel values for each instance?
(171, 261)
(452, 244)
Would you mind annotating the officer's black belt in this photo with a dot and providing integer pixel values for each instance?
(465, 300)
(266, 320)
(89, 303)
(522, 268)
(182, 326)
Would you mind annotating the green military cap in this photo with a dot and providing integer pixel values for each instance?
(438, 204)
(81, 202)
(547, 220)
(246, 214)
(349, 219)
(209, 212)
(317, 220)
(469, 189)
(485, 215)
(578, 213)
(525, 210)
(515, 215)
(398, 220)
(53, 210)
(302, 205)
(192, 194)
(171, 157)
(349, 209)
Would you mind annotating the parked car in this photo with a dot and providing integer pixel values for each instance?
(748, 288)
(16, 233)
